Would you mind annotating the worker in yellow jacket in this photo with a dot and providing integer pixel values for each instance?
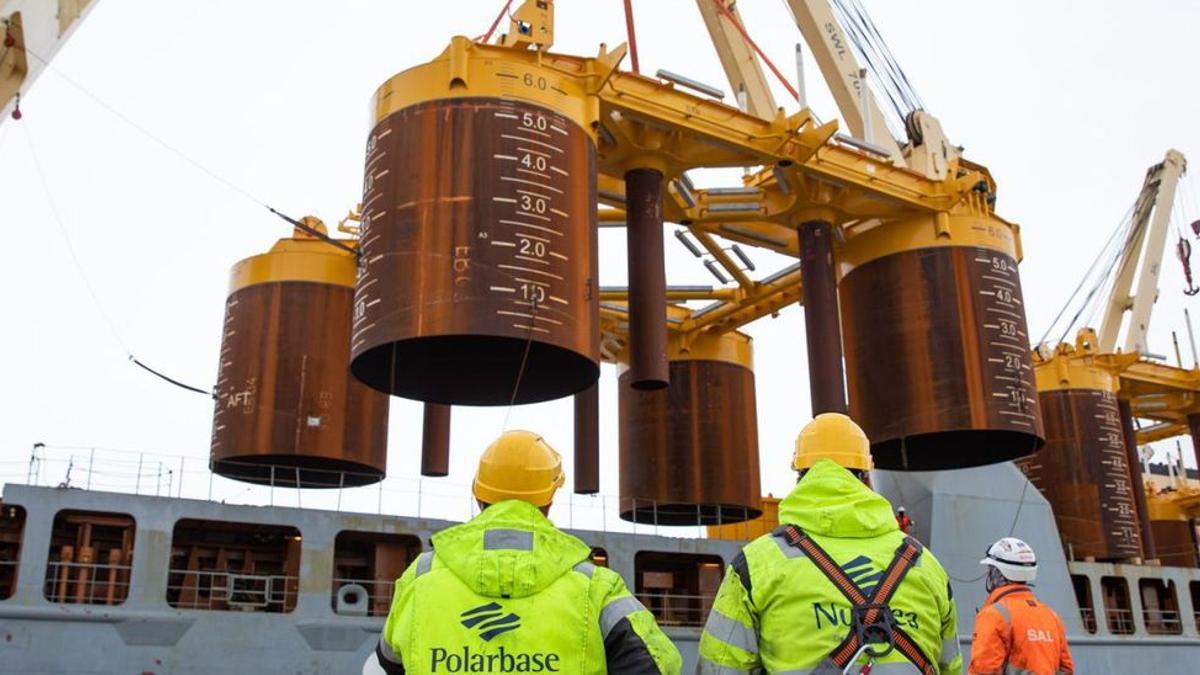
(837, 587)
(509, 592)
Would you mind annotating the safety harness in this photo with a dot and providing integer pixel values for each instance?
(871, 619)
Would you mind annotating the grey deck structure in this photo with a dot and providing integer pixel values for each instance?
(958, 513)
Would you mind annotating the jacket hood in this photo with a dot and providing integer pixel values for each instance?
(510, 550)
(830, 501)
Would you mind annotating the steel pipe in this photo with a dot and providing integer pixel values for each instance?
(1193, 421)
(435, 441)
(822, 325)
(647, 279)
(587, 441)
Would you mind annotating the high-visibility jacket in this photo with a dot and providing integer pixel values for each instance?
(509, 592)
(1017, 635)
(776, 611)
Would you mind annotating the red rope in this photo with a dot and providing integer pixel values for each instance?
(633, 59)
(488, 35)
(746, 36)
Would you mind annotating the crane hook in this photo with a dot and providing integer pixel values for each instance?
(1183, 250)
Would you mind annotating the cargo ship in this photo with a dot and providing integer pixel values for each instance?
(146, 584)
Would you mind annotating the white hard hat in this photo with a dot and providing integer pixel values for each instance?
(1014, 558)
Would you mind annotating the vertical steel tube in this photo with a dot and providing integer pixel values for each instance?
(587, 441)
(435, 440)
(1149, 550)
(1193, 421)
(647, 279)
(822, 325)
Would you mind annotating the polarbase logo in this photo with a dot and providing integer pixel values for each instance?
(491, 620)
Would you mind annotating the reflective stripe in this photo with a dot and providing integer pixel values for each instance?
(1013, 670)
(787, 549)
(424, 563)
(706, 667)
(385, 651)
(616, 610)
(950, 650)
(585, 568)
(516, 540)
(1003, 612)
(894, 668)
(731, 632)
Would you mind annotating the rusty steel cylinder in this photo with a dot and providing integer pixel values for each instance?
(647, 280)
(587, 441)
(1082, 470)
(1174, 534)
(435, 441)
(1129, 437)
(689, 452)
(287, 410)
(478, 277)
(822, 327)
(938, 370)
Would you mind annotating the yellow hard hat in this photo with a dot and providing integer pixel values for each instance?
(519, 465)
(832, 436)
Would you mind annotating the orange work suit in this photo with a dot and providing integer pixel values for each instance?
(1017, 635)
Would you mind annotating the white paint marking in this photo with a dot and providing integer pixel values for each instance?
(518, 268)
(529, 182)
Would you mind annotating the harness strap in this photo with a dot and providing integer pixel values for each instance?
(869, 613)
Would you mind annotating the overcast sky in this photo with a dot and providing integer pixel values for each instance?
(1067, 103)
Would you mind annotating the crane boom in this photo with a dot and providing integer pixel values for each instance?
(1143, 250)
(32, 32)
(841, 71)
(742, 69)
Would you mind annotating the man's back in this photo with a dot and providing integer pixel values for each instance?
(508, 592)
(1016, 631)
(778, 611)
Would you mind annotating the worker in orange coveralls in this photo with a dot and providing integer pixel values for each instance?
(905, 523)
(1014, 633)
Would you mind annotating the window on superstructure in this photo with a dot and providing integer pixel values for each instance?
(12, 526)
(91, 558)
(224, 566)
(599, 556)
(1083, 597)
(1160, 606)
(1118, 611)
(678, 588)
(365, 568)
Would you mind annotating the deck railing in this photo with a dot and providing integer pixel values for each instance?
(1162, 622)
(1088, 616)
(87, 583)
(680, 610)
(8, 578)
(165, 475)
(378, 598)
(231, 591)
(1120, 621)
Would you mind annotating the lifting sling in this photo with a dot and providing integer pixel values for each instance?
(871, 618)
